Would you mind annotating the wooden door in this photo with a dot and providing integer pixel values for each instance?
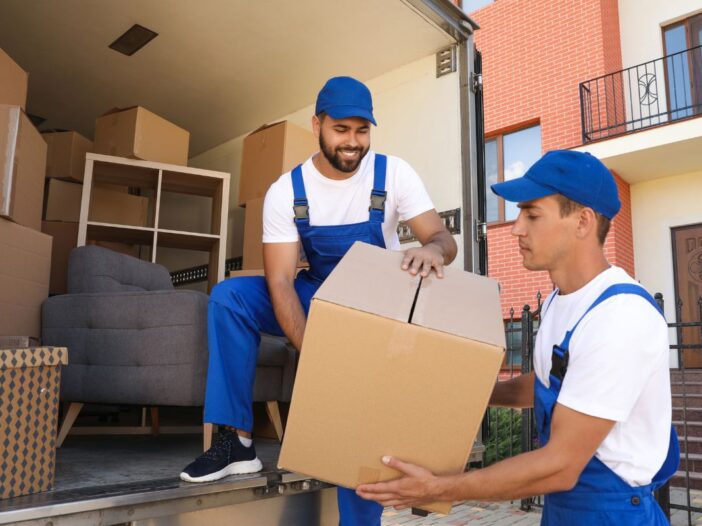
(687, 261)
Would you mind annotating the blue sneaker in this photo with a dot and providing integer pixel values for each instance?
(227, 456)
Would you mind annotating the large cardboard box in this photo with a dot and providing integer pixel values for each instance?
(253, 237)
(31, 380)
(108, 204)
(13, 82)
(25, 263)
(65, 236)
(65, 157)
(138, 133)
(62, 200)
(269, 152)
(22, 166)
(392, 364)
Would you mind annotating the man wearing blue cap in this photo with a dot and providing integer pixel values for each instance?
(604, 427)
(342, 194)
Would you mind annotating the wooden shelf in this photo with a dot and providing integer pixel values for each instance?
(186, 240)
(189, 184)
(133, 235)
(155, 179)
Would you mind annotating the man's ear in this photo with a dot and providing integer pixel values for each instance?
(316, 126)
(587, 223)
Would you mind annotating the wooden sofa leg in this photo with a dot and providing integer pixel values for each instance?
(68, 421)
(274, 414)
(207, 430)
(154, 421)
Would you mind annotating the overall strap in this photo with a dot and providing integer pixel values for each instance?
(300, 206)
(548, 302)
(378, 194)
(560, 354)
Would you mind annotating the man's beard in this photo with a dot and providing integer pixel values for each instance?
(337, 161)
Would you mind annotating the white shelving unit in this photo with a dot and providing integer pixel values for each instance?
(154, 179)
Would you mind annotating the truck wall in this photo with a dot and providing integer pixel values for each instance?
(419, 120)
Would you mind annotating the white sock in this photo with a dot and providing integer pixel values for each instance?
(246, 442)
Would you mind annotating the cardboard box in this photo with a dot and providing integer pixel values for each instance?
(25, 266)
(108, 204)
(65, 156)
(253, 236)
(269, 152)
(13, 88)
(138, 133)
(392, 364)
(22, 167)
(62, 202)
(65, 236)
(18, 342)
(32, 380)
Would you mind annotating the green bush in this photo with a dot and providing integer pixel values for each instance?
(505, 430)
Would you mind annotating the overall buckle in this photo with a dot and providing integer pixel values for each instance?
(301, 209)
(377, 200)
(559, 362)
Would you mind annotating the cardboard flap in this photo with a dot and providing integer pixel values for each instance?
(116, 110)
(463, 304)
(370, 279)
(265, 126)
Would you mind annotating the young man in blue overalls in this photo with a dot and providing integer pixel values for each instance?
(343, 194)
(600, 387)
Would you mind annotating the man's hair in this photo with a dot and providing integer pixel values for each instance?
(568, 206)
(322, 115)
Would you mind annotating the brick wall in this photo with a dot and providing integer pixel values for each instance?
(535, 54)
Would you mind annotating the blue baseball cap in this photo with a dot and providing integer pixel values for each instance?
(343, 97)
(578, 176)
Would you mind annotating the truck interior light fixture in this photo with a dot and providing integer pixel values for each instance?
(135, 38)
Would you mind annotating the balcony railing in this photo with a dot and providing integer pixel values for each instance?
(658, 92)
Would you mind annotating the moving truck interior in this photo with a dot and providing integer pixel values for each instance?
(217, 70)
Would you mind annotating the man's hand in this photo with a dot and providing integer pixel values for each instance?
(416, 487)
(421, 260)
(438, 246)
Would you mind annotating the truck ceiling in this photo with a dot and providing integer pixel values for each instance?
(217, 68)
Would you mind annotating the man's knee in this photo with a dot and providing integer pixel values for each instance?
(234, 292)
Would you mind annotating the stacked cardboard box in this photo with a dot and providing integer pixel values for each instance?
(25, 264)
(140, 134)
(22, 164)
(269, 152)
(13, 88)
(65, 156)
(26, 252)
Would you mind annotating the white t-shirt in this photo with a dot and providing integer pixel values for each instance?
(618, 370)
(345, 202)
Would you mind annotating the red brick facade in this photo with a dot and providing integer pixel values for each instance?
(535, 55)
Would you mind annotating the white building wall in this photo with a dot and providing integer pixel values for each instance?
(418, 119)
(640, 26)
(640, 23)
(657, 207)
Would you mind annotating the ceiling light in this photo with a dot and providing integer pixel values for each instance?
(133, 40)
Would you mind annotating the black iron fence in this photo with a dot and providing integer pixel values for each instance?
(508, 432)
(657, 92)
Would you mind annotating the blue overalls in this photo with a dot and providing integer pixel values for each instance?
(240, 309)
(600, 497)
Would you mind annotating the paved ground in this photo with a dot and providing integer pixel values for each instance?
(508, 513)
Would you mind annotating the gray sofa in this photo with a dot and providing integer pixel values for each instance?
(134, 339)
